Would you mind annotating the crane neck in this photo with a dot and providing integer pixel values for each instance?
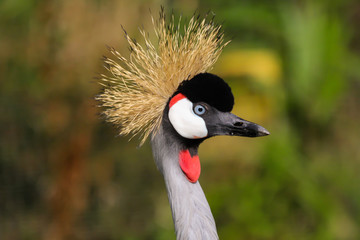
(190, 210)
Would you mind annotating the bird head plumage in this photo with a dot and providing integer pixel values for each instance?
(138, 89)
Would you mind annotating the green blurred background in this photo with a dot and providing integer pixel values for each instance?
(294, 67)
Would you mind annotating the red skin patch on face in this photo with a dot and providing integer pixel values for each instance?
(175, 99)
(190, 165)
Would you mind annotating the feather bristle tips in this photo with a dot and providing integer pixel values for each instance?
(136, 89)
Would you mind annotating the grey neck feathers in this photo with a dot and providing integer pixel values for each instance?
(190, 210)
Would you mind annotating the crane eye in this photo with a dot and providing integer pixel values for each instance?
(199, 109)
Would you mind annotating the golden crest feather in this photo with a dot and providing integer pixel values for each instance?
(137, 89)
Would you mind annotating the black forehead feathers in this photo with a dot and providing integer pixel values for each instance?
(208, 88)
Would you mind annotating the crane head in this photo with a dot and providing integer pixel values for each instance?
(201, 108)
(169, 79)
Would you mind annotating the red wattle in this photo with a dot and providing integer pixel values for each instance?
(190, 165)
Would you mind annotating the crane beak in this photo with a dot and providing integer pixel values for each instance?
(226, 123)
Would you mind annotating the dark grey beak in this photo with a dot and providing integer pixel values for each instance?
(245, 128)
(229, 124)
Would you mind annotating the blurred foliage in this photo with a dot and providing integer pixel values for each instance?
(293, 67)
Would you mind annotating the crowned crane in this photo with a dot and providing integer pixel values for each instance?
(167, 92)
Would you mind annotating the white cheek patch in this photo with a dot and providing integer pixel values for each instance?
(185, 121)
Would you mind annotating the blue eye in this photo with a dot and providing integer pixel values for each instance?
(199, 109)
